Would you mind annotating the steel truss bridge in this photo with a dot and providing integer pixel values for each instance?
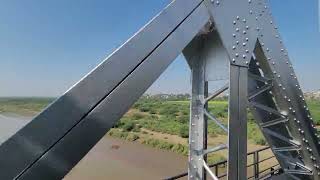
(236, 40)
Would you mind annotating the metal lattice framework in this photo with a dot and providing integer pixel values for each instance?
(228, 39)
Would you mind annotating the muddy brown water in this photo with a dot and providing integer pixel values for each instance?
(117, 159)
(111, 158)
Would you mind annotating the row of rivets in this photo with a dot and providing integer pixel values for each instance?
(298, 87)
(274, 65)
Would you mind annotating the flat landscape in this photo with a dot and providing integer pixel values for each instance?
(156, 123)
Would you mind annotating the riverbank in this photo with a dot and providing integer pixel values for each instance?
(119, 159)
(151, 134)
(26, 107)
(111, 158)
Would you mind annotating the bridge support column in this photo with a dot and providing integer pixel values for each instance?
(237, 161)
(198, 124)
(207, 59)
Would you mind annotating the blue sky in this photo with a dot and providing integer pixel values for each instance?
(47, 46)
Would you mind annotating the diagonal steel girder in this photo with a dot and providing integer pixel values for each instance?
(50, 145)
(246, 27)
(57, 139)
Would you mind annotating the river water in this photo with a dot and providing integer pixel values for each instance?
(111, 158)
(10, 124)
(130, 161)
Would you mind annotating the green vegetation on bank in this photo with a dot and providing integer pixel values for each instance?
(160, 144)
(158, 122)
(24, 106)
(157, 105)
(314, 107)
(172, 117)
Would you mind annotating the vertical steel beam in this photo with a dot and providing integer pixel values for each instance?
(237, 160)
(256, 164)
(205, 138)
(197, 132)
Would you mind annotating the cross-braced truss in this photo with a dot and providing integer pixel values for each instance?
(233, 39)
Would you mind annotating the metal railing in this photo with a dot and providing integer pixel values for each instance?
(267, 172)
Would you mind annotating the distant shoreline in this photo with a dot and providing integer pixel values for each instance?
(15, 115)
(24, 106)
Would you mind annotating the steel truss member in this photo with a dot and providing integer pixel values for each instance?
(235, 40)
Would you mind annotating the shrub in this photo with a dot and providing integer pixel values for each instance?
(181, 149)
(154, 117)
(118, 134)
(136, 129)
(221, 114)
(136, 105)
(144, 109)
(185, 112)
(255, 134)
(260, 141)
(183, 119)
(123, 135)
(137, 116)
(215, 158)
(153, 111)
(132, 137)
(128, 126)
(184, 131)
(169, 109)
(177, 148)
(118, 124)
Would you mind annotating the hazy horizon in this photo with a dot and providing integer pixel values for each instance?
(46, 47)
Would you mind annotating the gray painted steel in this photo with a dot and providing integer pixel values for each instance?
(295, 141)
(283, 115)
(233, 21)
(197, 124)
(241, 31)
(59, 137)
(117, 103)
(237, 157)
